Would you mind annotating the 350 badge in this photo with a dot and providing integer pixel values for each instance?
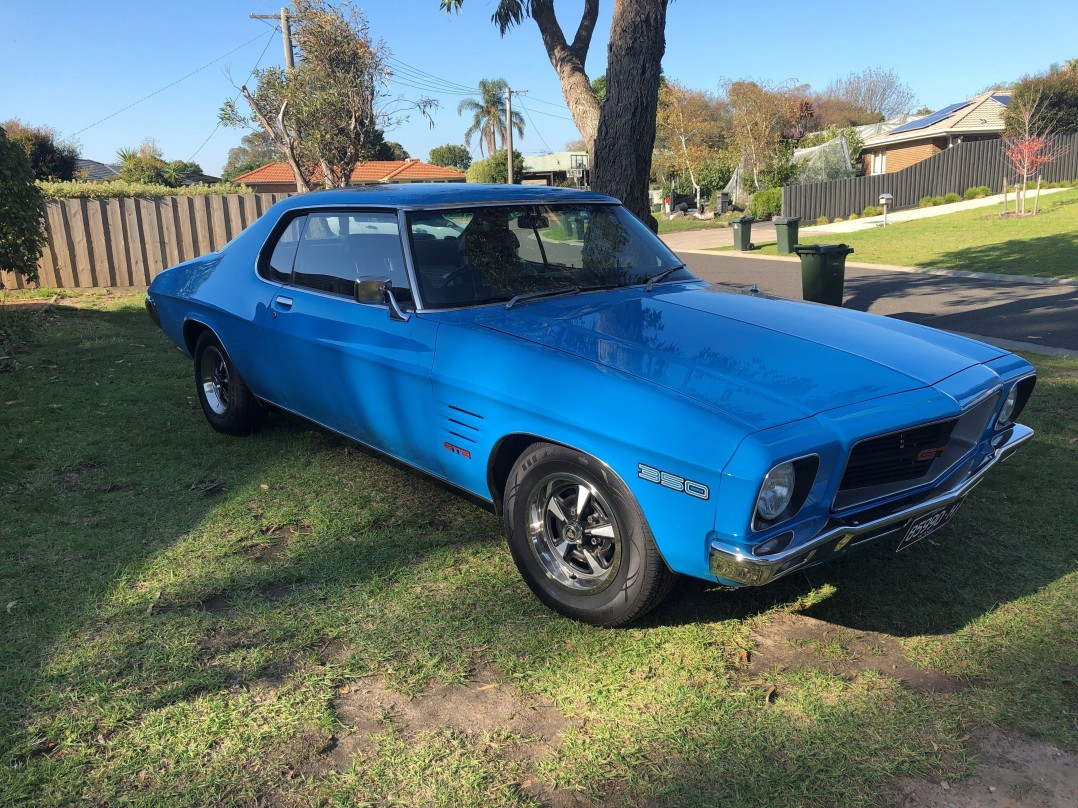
(673, 481)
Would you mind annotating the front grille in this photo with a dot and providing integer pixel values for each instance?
(896, 457)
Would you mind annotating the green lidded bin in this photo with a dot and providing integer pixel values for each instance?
(743, 232)
(786, 233)
(823, 271)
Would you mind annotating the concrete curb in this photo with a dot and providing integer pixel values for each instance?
(1014, 346)
(953, 273)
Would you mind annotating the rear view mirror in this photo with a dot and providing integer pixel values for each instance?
(532, 221)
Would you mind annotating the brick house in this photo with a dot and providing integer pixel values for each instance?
(278, 177)
(979, 118)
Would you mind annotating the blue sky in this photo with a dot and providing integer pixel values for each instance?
(69, 64)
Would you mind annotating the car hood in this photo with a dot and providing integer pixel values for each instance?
(760, 360)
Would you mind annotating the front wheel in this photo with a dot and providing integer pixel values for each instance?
(580, 540)
(227, 402)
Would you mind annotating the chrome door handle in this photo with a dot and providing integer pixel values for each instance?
(283, 302)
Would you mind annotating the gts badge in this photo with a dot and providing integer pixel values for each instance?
(449, 447)
(665, 478)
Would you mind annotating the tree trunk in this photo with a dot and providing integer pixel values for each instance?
(621, 160)
(283, 143)
(568, 61)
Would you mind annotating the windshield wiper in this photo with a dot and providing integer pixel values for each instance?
(564, 290)
(654, 279)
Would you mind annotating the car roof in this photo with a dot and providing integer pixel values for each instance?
(443, 194)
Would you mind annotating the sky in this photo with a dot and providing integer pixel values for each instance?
(112, 73)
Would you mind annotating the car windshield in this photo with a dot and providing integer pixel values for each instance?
(479, 255)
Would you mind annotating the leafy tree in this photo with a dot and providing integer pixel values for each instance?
(329, 112)
(689, 130)
(495, 169)
(22, 236)
(620, 133)
(488, 115)
(1028, 144)
(145, 164)
(874, 90)
(1054, 99)
(255, 150)
(391, 151)
(49, 159)
(759, 113)
(451, 156)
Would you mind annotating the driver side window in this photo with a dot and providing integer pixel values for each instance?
(337, 249)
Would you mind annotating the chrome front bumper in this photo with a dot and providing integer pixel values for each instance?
(741, 568)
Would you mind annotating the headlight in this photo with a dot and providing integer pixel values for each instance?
(1006, 412)
(776, 492)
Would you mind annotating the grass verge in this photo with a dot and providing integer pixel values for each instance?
(973, 241)
(189, 619)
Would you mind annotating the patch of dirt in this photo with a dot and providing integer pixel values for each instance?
(276, 539)
(528, 729)
(70, 475)
(218, 604)
(1014, 772)
(793, 642)
(275, 591)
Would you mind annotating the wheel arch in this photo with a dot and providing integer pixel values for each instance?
(508, 449)
(192, 330)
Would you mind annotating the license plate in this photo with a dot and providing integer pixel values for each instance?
(929, 523)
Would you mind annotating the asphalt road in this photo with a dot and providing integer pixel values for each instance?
(1042, 315)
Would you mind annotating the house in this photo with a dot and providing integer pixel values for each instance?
(979, 118)
(557, 168)
(278, 178)
(93, 171)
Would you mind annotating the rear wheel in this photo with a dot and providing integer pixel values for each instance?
(579, 539)
(227, 402)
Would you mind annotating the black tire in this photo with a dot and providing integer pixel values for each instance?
(599, 564)
(228, 404)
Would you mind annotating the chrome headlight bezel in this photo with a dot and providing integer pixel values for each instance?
(797, 477)
(1007, 410)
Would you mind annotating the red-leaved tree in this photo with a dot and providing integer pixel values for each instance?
(1030, 146)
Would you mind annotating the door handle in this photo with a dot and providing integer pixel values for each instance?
(283, 303)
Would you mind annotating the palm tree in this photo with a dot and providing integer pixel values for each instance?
(488, 115)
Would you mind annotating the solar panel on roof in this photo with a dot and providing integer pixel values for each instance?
(1003, 99)
(929, 120)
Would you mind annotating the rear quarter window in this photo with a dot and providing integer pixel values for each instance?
(283, 256)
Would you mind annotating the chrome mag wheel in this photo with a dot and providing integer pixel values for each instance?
(214, 378)
(573, 533)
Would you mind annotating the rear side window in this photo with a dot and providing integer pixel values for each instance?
(337, 249)
(279, 266)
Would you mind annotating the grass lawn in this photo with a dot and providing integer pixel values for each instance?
(680, 225)
(191, 619)
(973, 240)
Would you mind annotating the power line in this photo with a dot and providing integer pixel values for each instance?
(171, 84)
(536, 128)
(548, 114)
(237, 97)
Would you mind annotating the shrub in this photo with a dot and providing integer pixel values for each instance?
(22, 236)
(926, 202)
(837, 219)
(766, 203)
(120, 188)
(873, 210)
(852, 217)
(977, 192)
(951, 198)
(823, 220)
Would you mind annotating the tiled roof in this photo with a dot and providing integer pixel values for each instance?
(372, 171)
(97, 172)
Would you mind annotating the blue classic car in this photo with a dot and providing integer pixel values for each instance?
(541, 350)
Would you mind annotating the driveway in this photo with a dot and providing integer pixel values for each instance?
(1013, 310)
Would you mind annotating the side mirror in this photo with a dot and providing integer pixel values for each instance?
(372, 290)
(379, 290)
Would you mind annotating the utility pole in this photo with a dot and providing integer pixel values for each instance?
(509, 127)
(286, 34)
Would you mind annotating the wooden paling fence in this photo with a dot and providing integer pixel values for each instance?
(126, 242)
